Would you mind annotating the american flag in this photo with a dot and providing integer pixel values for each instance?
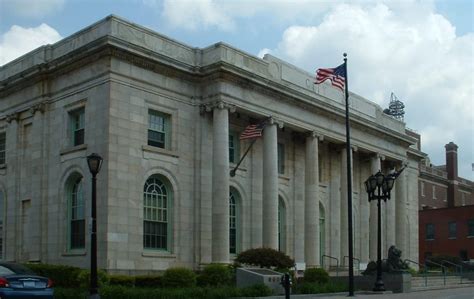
(336, 75)
(253, 131)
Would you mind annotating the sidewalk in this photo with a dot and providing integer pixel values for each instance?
(456, 293)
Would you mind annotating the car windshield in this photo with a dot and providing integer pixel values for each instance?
(6, 269)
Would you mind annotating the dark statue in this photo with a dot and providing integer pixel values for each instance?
(393, 264)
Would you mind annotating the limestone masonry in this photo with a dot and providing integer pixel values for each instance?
(166, 118)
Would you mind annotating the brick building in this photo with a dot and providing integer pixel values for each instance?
(446, 216)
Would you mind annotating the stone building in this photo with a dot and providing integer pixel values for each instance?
(446, 217)
(166, 118)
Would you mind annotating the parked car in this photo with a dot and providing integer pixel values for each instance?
(17, 281)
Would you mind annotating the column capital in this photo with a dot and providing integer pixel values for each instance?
(41, 107)
(354, 148)
(379, 156)
(13, 117)
(208, 107)
(315, 134)
(273, 121)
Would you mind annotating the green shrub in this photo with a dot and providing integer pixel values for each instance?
(122, 280)
(258, 290)
(215, 275)
(85, 278)
(61, 275)
(179, 278)
(148, 281)
(70, 293)
(119, 292)
(318, 275)
(265, 258)
(317, 288)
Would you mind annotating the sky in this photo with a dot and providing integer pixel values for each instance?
(421, 50)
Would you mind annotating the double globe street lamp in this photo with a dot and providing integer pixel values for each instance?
(383, 184)
(94, 161)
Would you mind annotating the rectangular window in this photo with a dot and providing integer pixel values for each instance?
(433, 189)
(234, 148)
(3, 139)
(430, 231)
(158, 129)
(77, 126)
(281, 158)
(470, 227)
(452, 230)
(422, 187)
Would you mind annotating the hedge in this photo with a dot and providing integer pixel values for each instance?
(265, 258)
(179, 278)
(215, 275)
(121, 292)
(317, 275)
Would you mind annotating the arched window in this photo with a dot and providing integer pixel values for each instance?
(156, 214)
(234, 221)
(281, 224)
(76, 215)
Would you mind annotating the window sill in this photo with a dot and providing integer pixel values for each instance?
(161, 254)
(429, 239)
(470, 237)
(3, 166)
(73, 149)
(452, 238)
(75, 253)
(158, 150)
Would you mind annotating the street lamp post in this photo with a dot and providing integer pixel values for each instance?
(94, 161)
(383, 184)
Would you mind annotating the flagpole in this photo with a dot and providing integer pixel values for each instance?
(233, 171)
(349, 184)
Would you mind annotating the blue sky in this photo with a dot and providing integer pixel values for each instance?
(421, 50)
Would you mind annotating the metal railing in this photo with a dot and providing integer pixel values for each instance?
(421, 266)
(332, 258)
(458, 268)
(444, 269)
(353, 258)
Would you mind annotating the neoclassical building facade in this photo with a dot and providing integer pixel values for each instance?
(166, 118)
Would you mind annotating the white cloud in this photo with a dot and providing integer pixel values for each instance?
(223, 14)
(18, 40)
(195, 14)
(34, 9)
(413, 52)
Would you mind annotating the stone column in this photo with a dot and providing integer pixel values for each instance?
(220, 184)
(375, 166)
(401, 212)
(365, 172)
(11, 225)
(36, 182)
(311, 211)
(344, 206)
(335, 208)
(390, 221)
(270, 186)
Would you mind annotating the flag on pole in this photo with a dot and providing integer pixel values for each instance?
(253, 131)
(337, 76)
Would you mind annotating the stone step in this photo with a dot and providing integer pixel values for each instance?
(439, 287)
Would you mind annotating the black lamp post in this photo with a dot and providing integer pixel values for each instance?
(94, 161)
(383, 184)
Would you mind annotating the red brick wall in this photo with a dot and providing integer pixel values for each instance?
(442, 245)
(427, 198)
